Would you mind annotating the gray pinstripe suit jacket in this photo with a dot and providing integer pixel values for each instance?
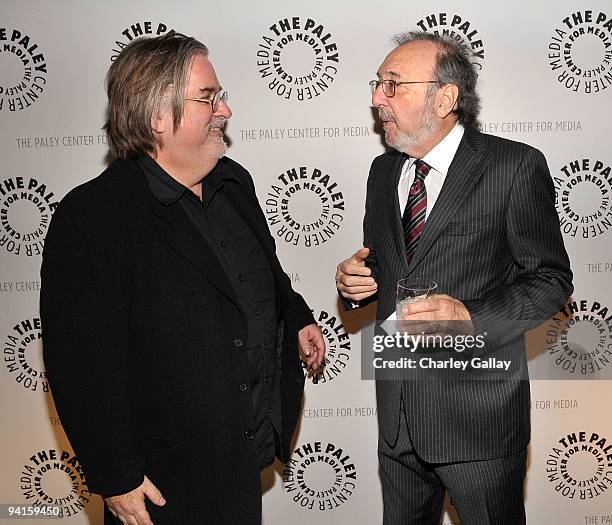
(492, 240)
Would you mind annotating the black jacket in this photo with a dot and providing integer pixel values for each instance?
(145, 348)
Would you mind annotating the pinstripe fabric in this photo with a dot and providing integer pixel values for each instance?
(492, 240)
(483, 492)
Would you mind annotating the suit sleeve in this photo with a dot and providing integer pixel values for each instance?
(85, 303)
(368, 242)
(544, 279)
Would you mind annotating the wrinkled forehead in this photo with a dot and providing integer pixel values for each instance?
(409, 61)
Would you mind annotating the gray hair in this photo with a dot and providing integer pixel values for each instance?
(146, 71)
(453, 66)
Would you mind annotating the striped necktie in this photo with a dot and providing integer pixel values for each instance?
(413, 219)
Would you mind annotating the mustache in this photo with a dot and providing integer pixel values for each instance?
(216, 123)
(385, 115)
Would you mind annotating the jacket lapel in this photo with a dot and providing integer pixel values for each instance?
(248, 208)
(182, 235)
(464, 172)
(396, 162)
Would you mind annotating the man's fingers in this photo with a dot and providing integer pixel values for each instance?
(316, 357)
(355, 264)
(424, 316)
(152, 492)
(350, 268)
(425, 305)
(318, 342)
(349, 281)
(130, 508)
(360, 276)
(312, 345)
(304, 343)
(311, 361)
(357, 296)
(361, 288)
(361, 255)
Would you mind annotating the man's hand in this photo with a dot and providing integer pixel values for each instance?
(434, 311)
(312, 346)
(353, 277)
(129, 508)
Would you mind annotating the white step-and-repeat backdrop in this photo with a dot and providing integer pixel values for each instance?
(545, 75)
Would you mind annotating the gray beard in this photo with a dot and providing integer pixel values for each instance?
(220, 152)
(405, 141)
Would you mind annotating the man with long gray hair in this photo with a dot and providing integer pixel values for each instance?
(475, 214)
(162, 296)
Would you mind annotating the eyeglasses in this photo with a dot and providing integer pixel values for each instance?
(219, 96)
(388, 86)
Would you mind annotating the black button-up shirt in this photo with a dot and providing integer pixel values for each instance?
(249, 273)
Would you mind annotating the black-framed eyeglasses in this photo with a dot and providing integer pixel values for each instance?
(214, 101)
(388, 86)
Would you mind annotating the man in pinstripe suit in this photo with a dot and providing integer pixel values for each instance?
(487, 232)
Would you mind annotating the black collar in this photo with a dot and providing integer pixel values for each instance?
(168, 190)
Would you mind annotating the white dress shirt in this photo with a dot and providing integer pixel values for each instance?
(439, 158)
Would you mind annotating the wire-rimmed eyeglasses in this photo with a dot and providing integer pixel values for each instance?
(388, 86)
(220, 95)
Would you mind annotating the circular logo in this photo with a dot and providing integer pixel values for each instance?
(26, 207)
(338, 348)
(54, 477)
(579, 466)
(579, 52)
(319, 476)
(583, 191)
(305, 208)
(459, 28)
(298, 58)
(579, 338)
(134, 31)
(23, 355)
(24, 70)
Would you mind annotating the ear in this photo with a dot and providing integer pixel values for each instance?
(447, 99)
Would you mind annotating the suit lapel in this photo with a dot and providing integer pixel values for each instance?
(464, 172)
(390, 196)
(182, 235)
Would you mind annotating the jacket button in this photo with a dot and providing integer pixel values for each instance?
(242, 387)
(249, 434)
(238, 343)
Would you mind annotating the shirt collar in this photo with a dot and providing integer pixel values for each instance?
(168, 190)
(442, 154)
(165, 189)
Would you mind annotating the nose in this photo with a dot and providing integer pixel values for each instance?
(378, 98)
(223, 110)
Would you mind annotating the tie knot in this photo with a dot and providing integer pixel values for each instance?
(421, 169)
